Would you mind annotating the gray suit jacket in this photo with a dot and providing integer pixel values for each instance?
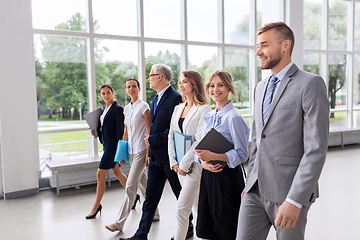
(289, 151)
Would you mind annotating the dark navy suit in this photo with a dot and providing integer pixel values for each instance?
(159, 168)
(110, 133)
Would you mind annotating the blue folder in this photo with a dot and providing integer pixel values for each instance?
(182, 144)
(122, 152)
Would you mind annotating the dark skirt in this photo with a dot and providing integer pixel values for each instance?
(219, 203)
(107, 159)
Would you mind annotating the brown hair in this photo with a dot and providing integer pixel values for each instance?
(133, 79)
(283, 31)
(226, 79)
(197, 82)
(106, 85)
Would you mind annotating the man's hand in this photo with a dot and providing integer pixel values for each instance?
(287, 215)
(147, 161)
(175, 168)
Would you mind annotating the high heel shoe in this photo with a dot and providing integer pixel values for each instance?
(94, 215)
(136, 200)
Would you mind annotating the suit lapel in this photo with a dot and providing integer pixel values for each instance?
(281, 88)
(162, 99)
(107, 114)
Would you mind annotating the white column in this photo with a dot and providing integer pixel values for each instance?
(19, 154)
(294, 19)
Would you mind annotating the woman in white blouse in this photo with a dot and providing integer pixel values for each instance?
(187, 118)
(137, 126)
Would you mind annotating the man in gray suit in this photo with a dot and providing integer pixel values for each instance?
(289, 142)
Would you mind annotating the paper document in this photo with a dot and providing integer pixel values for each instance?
(182, 144)
(92, 118)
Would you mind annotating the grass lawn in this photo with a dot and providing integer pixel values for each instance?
(50, 138)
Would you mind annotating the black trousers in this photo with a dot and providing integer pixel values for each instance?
(219, 204)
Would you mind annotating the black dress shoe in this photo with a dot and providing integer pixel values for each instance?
(133, 238)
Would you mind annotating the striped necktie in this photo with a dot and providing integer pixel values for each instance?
(268, 96)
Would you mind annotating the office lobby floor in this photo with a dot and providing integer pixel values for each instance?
(334, 216)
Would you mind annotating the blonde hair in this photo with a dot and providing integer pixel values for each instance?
(197, 82)
(226, 79)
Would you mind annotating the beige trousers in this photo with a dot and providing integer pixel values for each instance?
(137, 178)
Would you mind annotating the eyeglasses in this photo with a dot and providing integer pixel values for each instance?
(155, 74)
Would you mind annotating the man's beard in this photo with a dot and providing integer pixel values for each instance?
(272, 63)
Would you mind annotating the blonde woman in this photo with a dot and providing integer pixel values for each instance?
(187, 118)
(220, 188)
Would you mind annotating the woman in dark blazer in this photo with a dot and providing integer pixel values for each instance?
(110, 130)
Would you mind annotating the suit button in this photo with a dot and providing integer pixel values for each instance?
(263, 135)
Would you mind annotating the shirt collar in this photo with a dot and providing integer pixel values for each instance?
(161, 93)
(283, 71)
(136, 102)
(219, 113)
(225, 109)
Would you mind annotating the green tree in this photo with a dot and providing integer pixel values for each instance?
(63, 73)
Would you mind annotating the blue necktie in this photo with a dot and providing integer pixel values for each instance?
(155, 102)
(268, 96)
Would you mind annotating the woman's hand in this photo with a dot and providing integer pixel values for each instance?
(147, 161)
(92, 132)
(204, 155)
(212, 168)
(181, 172)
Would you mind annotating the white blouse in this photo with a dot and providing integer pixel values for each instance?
(136, 127)
(104, 114)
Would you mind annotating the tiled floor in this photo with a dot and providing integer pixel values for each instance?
(335, 215)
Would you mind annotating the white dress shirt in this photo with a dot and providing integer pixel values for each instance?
(136, 127)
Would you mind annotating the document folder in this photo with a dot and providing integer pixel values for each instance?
(92, 119)
(215, 142)
(182, 144)
(122, 152)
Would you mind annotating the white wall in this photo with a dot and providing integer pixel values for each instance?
(19, 153)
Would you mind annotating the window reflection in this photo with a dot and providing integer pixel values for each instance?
(202, 21)
(312, 24)
(312, 63)
(237, 21)
(204, 60)
(59, 15)
(338, 24)
(115, 17)
(162, 19)
(237, 64)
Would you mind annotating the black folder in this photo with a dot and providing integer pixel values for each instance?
(215, 142)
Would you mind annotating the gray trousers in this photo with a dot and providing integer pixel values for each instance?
(257, 215)
(137, 178)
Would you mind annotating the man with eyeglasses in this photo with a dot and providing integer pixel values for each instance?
(161, 111)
